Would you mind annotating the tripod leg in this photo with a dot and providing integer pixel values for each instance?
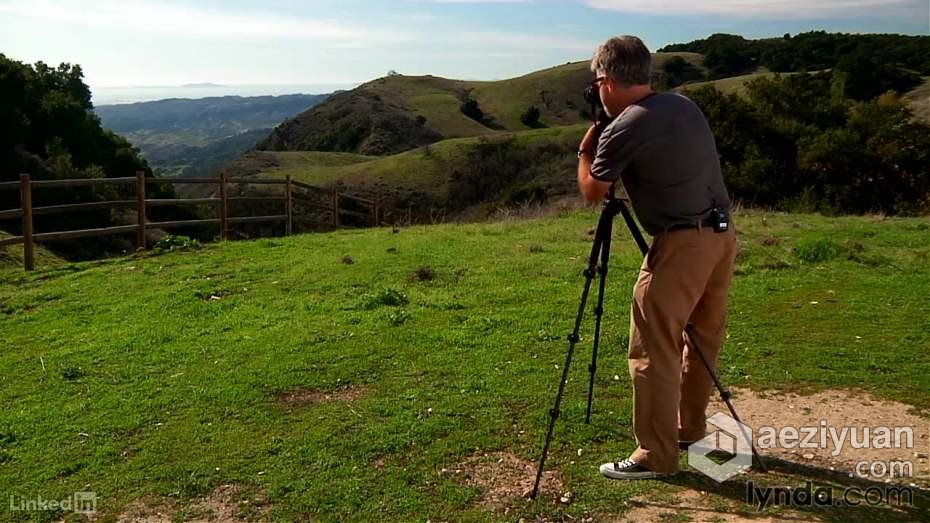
(599, 313)
(572, 340)
(724, 394)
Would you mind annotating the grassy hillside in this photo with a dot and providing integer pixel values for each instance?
(555, 91)
(328, 391)
(388, 108)
(542, 156)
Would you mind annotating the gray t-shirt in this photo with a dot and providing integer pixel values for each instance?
(663, 151)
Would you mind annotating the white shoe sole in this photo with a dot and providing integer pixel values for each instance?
(607, 470)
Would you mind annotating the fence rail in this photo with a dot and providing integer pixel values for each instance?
(294, 194)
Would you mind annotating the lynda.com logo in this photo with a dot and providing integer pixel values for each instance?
(733, 439)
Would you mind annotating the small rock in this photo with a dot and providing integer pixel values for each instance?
(566, 498)
(808, 456)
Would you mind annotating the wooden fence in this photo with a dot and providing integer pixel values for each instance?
(293, 192)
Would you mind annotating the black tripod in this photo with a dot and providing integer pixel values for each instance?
(601, 250)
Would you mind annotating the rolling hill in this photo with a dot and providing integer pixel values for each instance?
(397, 113)
(446, 174)
(431, 142)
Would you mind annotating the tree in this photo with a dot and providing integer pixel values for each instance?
(49, 130)
(530, 118)
(470, 109)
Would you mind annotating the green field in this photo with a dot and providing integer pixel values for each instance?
(160, 377)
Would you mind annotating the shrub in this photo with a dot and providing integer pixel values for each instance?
(470, 109)
(386, 298)
(815, 250)
(531, 117)
(172, 243)
(399, 317)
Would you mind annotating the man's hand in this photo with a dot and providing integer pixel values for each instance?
(589, 142)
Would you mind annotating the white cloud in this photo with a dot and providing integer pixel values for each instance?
(770, 9)
(187, 20)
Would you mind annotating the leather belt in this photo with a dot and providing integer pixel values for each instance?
(706, 222)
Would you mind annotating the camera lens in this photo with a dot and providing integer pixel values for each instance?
(591, 95)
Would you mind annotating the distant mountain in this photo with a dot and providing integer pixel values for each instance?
(183, 136)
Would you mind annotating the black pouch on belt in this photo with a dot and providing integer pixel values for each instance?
(720, 218)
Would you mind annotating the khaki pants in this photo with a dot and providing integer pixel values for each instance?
(685, 277)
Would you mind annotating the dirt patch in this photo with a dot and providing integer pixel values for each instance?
(306, 398)
(695, 506)
(503, 476)
(857, 411)
(148, 510)
(225, 503)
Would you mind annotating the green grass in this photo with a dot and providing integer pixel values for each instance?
(731, 85)
(123, 377)
(11, 256)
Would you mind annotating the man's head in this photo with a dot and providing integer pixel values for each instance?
(623, 66)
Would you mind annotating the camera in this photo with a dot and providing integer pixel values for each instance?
(598, 113)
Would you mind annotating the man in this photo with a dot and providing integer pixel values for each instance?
(662, 150)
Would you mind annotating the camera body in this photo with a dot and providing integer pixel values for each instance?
(598, 113)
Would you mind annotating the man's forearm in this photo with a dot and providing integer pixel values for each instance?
(593, 190)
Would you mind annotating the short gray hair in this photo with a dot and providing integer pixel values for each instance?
(626, 59)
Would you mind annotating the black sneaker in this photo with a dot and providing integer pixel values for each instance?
(627, 469)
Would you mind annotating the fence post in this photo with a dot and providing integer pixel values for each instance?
(224, 209)
(289, 205)
(140, 210)
(25, 198)
(335, 207)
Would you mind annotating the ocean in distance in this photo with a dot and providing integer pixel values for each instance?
(126, 95)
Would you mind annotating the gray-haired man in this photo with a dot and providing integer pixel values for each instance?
(661, 148)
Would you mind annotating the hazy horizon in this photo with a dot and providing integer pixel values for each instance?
(121, 95)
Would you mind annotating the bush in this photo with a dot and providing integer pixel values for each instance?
(399, 317)
(795, 143)
(470, 109)
(176, 243)
(527, 194)
(531, 117)
(816, 250)
(386, 298)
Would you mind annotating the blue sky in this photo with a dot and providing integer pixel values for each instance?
(173, 42)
